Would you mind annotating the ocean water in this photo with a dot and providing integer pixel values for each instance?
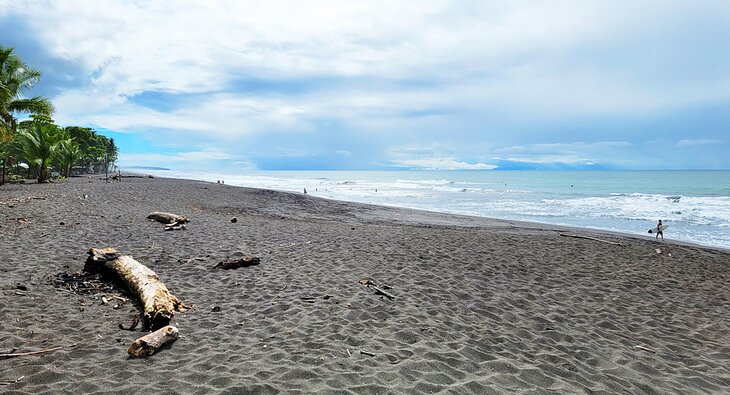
(695, 204)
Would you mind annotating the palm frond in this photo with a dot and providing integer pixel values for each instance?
(35, 105)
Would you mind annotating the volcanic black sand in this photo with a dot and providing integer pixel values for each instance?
(480, 306)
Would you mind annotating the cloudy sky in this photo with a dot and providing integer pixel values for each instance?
(388, 84)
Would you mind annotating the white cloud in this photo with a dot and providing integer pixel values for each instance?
(440, 164)
(431, 157)
(697, 142)
(501, 52)
(577, 153)
(190, 157)
(451, 63)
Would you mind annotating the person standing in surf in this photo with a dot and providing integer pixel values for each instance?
(659, 231)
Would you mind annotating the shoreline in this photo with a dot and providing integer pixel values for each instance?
(520, 223)
(480, 305)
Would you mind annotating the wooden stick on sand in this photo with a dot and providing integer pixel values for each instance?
(153, 342)
(23, 354)
(640, 347)
(8, 382)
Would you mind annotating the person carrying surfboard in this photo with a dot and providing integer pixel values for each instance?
(659, 230)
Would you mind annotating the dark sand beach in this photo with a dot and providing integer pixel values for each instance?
(480, 306)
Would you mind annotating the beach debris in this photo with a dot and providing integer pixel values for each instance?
(153, 342)
(378, 290)
(230, 263)
(644, 348)
(8, 382)
(15, 200)
(234, 220)
(169, 219)
(589, 238)
(135, 322)
(314, 296)
(368, 353)
(159, 303)
(83, 283)
(348, 352)
(23, 354)
(216, 309)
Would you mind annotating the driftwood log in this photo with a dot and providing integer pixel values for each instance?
(378, 290)
(159, 304)
(153, 342)
(168, 218)
(236, 263)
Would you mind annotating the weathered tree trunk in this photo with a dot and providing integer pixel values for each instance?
(153, 342)
(42, 172)
(168, 218)
(159, 304)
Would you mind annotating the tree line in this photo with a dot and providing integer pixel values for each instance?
(37, 147)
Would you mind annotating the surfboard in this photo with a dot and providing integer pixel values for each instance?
(659, 228)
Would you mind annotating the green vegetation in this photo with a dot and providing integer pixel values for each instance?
(39, 143)
(15, 78)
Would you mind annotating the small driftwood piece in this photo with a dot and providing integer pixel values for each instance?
(23, 354)
(236, 263)
(314, 296)
(8, 382)
(378, 290)
(159, 304)
(640, 347)
(590, 238)
(153, 342)
(168, 218)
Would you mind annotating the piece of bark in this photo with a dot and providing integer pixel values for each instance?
(236, 263)
(159, 304)
(153, 342)
(168, 218)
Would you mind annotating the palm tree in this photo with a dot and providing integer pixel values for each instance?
(68, 155)
(38, 142)
(15, 78)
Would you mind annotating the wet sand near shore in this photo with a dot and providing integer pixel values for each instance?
(479, 305)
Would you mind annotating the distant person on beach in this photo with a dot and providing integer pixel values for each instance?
(659, 231)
